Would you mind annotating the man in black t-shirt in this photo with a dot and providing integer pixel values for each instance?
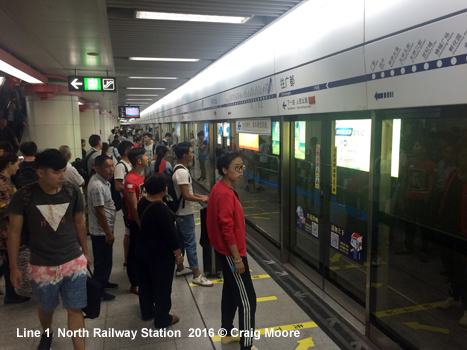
(52, 210)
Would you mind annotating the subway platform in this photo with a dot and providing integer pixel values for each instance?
(291, 314)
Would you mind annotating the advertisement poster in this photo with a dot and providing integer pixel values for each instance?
(249, 141)
(206, 132)
(347, 242)
(219, 133)
(353, 138)
(307, 222)
(276, 138)
(226, 132)
(300, 132)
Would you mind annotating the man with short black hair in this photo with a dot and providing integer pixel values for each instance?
(134, 191)
(95, 151)
(101, 222)
(53, 214)
(166, 139)
(185, 214)
(7, 134)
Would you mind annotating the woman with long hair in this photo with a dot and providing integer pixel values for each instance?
(162, 165)
(225, 223)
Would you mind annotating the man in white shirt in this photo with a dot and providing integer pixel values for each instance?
(122, 169)
(185, 214)
(150, 148)
(72, 174)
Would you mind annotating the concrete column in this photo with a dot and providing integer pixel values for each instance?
(53, 122)
(88, 124)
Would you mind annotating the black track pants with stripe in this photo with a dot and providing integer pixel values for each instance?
(238, 292)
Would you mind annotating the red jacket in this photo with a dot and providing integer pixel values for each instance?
(225, 221)
(463, 203)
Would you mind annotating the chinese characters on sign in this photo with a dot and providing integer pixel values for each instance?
(289, 79)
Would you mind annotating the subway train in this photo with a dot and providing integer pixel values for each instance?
(352, 124)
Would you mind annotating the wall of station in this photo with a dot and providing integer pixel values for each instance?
(331, 57)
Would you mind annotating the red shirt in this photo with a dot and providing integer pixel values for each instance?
(133, 183)
(225, 221)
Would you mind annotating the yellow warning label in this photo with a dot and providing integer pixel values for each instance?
(289, 327)
(305, 344)
(334, 170)
(255, 277)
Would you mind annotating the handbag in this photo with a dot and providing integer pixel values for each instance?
(94, 291)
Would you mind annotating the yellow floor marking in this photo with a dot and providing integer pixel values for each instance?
(262, 218)
(305, 344)
(265, 299)
(198, 223)
(335, 258)
(248, 207)
(255, 277)
(253, 201)
(289, 327)
(267, 213)
(405, 310)
(351, 266)
(416, 325)
(376, 285)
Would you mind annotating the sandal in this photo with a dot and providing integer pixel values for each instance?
(175, 319)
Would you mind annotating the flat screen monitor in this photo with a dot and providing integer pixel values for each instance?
(128, 111)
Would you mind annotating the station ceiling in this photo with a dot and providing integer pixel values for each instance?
(56, 37)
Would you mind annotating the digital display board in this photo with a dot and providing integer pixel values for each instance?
(352, 140)
(276, 138)
(128, 111)
(300, 133)
(249, 141)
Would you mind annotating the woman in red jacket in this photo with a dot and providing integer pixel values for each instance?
(226, 230)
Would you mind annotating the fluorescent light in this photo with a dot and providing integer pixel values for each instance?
(144, 88)
(190, 17)
(163, 59)
(5, 67)
(80, 103)
(139, 99)
(2, 80)
(152, 78)
(140, 95)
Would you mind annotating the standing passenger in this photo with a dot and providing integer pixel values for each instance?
(134, 191)
(72, 174)
(185, 213)
(57, 237)
(226, 230)
(157, 251)
(202, 154)
(101, 222)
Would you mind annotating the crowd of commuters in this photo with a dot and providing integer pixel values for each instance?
(49, 205)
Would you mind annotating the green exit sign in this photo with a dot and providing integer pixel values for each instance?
(92, 84)
(104, 84)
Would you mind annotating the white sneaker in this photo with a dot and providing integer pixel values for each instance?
(185, 271)
(463, 320)
(449, 303)
(202, 281)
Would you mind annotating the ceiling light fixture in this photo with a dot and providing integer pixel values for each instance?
(14, 67)
(2, 80)
(190, 17)
(144, 88)
(163, 59)
(152, 78)
(140, 95)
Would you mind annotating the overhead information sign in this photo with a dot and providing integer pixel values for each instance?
(102, 84)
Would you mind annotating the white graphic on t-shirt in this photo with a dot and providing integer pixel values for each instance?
(53, 214)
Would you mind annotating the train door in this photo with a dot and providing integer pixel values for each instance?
(330, 168)
(347, 209)
(307, 208)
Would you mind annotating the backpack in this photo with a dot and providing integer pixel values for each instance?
(162, 167)
(26, 192)
(171, 198)
(94, 293)
(82, 166)
(25, 176)
(116, 196)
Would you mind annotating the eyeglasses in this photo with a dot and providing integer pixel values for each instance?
(240, 168)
